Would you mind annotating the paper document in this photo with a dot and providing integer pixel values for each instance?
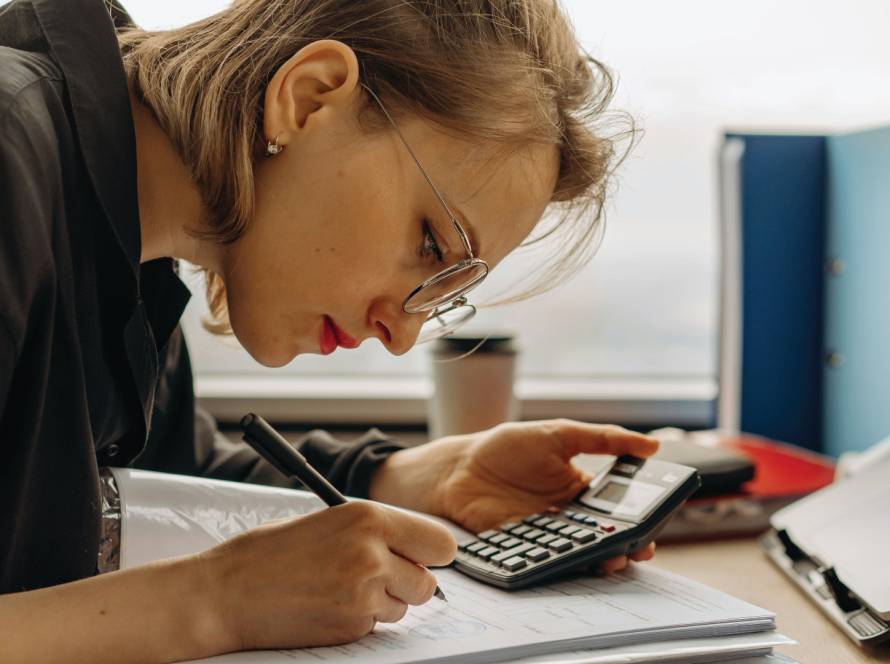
(165, 515)
(774, 658)
(685, 651)
(484, 624)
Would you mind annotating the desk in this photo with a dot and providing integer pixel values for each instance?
(741, 569)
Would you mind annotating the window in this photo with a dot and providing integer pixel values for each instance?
(636, 330)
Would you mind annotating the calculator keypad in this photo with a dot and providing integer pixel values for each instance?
(537, 539)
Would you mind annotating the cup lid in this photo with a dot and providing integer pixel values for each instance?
(464, 343)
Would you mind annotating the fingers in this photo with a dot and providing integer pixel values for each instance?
(420, 540)
(615, 564)
(646, 553)
(618, 563)
(410, 583)
(392, 610)
(581, 437)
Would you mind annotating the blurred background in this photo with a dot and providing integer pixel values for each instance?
(632, 338)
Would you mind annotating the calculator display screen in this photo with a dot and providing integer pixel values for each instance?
(612, 491)
(625, 498)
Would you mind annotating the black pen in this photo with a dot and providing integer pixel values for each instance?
(275, 449)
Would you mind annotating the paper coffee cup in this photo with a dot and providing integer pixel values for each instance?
(472, 392)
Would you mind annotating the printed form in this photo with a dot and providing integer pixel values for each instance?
(484, 624)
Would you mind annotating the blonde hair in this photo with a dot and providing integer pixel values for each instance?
(506, 71)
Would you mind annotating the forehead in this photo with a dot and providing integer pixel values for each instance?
(499, 192)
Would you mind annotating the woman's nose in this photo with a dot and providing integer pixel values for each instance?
(397, 330)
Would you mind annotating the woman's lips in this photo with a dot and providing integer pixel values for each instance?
(332, 336)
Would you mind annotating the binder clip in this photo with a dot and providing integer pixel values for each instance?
(843, 598)
(793, 551)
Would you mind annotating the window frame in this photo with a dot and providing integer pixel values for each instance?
(685, 402)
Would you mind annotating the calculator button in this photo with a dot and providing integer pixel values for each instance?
(626, 469)
(560, 545)
(568, 530)
(546, 539)
(569, 514)
(583, 535)
(510, 543)
(466, 545)
(534, 534)
(579, 517)
(555, 525)
(607, 527)
(488, 552)
(475, 547)
(590, 521)
(532, 518)
(507, 527)
(519, 531)
(487, 534)
(543, 521)
(514, 564)
(498, 539)
(537, 554)
(510, 553)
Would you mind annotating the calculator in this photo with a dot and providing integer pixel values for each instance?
(620, 511)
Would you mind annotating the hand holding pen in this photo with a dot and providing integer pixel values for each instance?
(272, 446)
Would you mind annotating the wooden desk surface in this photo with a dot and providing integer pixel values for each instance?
(741, 569)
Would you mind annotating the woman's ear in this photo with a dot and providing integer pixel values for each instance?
(321, 75)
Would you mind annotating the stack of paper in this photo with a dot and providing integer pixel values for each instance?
(484, 624)
(640, 615)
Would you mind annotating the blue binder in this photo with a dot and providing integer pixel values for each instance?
(814, 288)
(857, 324)
(782, 185)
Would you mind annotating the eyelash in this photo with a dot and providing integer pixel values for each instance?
(429, 246)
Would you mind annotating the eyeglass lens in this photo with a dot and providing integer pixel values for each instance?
(447, 288)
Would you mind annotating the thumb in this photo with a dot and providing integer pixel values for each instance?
(578, 483)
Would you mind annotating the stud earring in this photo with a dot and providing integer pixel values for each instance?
(273, 147)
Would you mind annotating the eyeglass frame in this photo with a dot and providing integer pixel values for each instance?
(460, 300)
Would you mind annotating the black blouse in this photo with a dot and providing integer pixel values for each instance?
(93, 367)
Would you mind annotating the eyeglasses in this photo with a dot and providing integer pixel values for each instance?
(442, 296)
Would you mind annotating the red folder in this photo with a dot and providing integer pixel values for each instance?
(780, 469)
(783, 473)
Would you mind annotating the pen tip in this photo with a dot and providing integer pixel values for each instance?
(440, 594)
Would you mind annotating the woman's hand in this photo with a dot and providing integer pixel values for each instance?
(321, 579)
(325, 578)
(505, 473)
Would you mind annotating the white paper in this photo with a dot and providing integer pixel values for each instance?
(165, 515)
(484, 624)
(168, 515)
(685, 650)
(773, 658)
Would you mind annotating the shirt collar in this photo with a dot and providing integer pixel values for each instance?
(82, 41)
(79, 35)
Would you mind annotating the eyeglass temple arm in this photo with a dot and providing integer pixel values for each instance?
(460, 231)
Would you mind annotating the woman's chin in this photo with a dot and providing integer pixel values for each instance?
(272, 352)
(271, 356)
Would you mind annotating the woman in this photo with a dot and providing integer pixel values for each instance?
(318, 159)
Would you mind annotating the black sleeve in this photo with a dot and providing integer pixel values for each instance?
(185, 439)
